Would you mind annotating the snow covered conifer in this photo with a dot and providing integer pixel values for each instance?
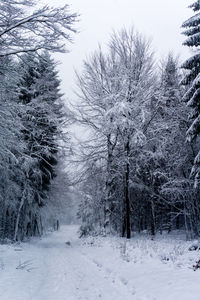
(192, 79)
(38, 91)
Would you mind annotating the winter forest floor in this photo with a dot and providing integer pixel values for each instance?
(99, 268)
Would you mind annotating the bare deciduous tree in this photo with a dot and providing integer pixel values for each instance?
(115, 89)
(25, 29)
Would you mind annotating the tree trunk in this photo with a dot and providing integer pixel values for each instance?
(153, 225)
(127, 199)
(123, 220)
(107, 225)
(19, 214)
(170, 219)
(186, 224)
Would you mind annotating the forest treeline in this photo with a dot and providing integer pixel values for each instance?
(31, 112)
(141, 160)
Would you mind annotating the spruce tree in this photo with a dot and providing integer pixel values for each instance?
(192, 80)
(11, 149)
(177, 154)
(38, 91)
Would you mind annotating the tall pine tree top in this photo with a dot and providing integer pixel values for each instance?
(192, 80)
(39, 91)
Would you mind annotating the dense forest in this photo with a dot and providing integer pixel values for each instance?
(141, 160)
(138, 165)
(31, 113)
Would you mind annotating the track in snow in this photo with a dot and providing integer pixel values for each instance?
(67, 273)
(100, 268)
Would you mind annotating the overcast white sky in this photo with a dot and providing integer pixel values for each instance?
(157, 19)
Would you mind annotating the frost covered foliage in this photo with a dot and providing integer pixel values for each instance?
(25, 28)
(115, 91)
(38, 90)
(11, 149)
(165, 160)
(30, 142)
(29, 112)
(192, 81)
(136, 162)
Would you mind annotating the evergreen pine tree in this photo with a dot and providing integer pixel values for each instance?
(177, 155)
(192, 79)
(38, 90)
(11, 150)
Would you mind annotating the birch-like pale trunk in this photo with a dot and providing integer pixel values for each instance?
(19, 214)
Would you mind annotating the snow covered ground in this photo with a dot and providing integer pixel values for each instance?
(99, 268)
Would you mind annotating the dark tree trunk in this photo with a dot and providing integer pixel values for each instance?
(170, 219)
(107, 207)
(127, 199)
(123, 227)
(153, 226)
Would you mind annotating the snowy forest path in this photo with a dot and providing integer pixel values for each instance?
(67, 272)
(60, 266)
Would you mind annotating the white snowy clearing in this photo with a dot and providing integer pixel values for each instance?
(99, 268)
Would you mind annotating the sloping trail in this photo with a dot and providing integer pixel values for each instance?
(67, 273)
